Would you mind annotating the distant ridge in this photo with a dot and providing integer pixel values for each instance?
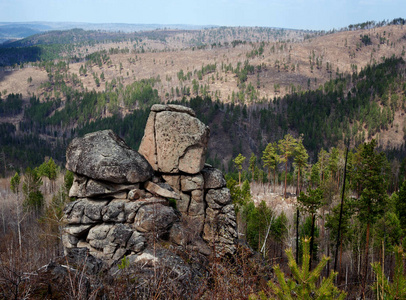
(19, 30)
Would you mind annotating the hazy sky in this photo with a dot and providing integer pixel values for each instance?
(298, 14)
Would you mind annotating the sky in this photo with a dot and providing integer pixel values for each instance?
(296, 14)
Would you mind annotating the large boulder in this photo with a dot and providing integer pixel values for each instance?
(175, 140)
(103, 155)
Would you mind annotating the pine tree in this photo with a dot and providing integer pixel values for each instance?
(304, 284)
(253, 162)
(300, 161)
(238, 161)
(287, 147)
(401, 205)
(391, 290)
(33, 198)
(270, 158)
(310, 203)
(371, 181)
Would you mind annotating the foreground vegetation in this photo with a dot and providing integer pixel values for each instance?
(356, 225)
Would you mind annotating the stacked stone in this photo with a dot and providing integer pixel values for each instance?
(175, 144)
(111, 216)
(123, 198)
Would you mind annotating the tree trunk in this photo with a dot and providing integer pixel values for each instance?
(286, 177)
(297, 235)
(269, 177)
(274, 179)
(298, 183)
(19, 224)
(364, 280)
(312, 241)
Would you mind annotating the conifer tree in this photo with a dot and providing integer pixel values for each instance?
(401, 205)
(270, 158)
(238, 161)
(384, 289)
(253, 162)
(371, 181)
(310, 203)
(304, 284)
(287, 147)
(300, 160)
(33, 198)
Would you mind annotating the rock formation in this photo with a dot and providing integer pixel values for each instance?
(124, 202)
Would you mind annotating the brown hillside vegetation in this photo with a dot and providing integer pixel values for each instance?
(282, 63)
(285, 63)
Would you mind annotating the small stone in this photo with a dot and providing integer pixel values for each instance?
(191, 183)
(213, 178)
(136, 194)
(182, 204)
(154, 218)
(159, 191)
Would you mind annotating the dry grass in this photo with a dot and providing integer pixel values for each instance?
(341, 50)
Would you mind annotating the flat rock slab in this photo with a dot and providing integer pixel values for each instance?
(103, 155)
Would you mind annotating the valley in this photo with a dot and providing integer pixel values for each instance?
(299, 122)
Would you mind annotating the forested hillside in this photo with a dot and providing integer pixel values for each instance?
(356, 107)
(309, 127)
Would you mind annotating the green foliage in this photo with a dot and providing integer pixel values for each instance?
(305, 230)
(252, 163)
(172, 203)
(370, 181)
(124, 264)
(15, 183)
(305, 284)
(270, 158)
(366, 40)
(287, 147)
(300, 160)
(12, 105)
(279, 228)
(311, 201)
(48, 169)
(258, 220)
(238, 161)
(333, 220)
(68, 181)
(240, 196)
(400, 205)
(33, 198)
(383, 288)
(388, 232)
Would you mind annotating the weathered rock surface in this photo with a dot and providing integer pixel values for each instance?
(156, 189)
(213, 178)
(104, 156)
(86, 187)
(175, 140)
(127, 204)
